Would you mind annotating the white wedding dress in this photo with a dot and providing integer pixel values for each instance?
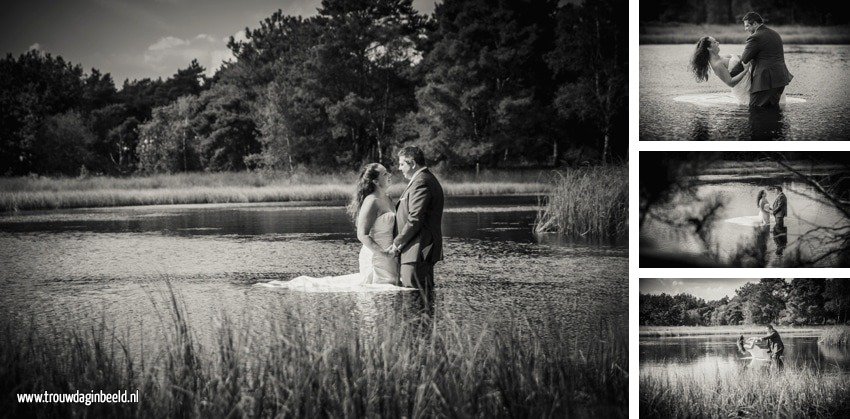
(741, 91)
(762, 219)
(378, 271)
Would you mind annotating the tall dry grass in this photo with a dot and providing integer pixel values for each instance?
(32, 193)
(588, 202)
(687, 33)
(835, 336)
(804, 391)
(405, 367)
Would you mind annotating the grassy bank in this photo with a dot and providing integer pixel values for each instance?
(794, 392)
(835, 336)
(673, 331)
(686, 33)
(399, 369)
(31, 193)
(592, 202)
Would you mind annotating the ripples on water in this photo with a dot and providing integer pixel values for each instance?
(73, 267)
(709, 356)
(820, 79)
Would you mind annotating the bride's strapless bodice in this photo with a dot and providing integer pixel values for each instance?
(382, 229)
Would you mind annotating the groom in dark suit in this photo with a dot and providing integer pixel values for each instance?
(418, 218)
(780, 207)
(769, 74)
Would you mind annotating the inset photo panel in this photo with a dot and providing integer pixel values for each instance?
(769, 347)
(744, 209)
(742, 70)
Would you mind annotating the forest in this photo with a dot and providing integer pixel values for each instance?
(782, 12)
(477, 84)
(801, 301)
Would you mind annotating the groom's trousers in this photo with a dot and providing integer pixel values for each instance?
(418, 275)
(766, 98)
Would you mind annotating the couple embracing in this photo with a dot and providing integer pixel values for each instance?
(401, 241)
(758, 76)
(404, 240)
(779, 209)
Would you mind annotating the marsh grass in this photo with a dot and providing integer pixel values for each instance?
(33, 193)
(405, 367)
(804, 391)
(685, 33)
(835, 336)
(589, 202)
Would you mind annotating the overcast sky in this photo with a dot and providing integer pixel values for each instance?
(143, 38)
(708, 289)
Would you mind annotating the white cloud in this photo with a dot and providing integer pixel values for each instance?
(35, 47)
(169, 42)
(170, 53)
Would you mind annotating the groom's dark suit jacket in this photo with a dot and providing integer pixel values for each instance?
(418, 219)
(780, 206)
(769, 70)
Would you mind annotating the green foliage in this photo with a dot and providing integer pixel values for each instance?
(769, 301)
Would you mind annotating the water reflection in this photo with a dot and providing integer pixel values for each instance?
(712, 356)
(818, 106)
(74, 267)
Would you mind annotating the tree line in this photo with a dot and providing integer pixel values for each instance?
(496, 84)
(811, 12)
(802, 301)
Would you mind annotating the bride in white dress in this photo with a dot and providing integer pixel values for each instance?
(760, 220)
(372, 211)
(707, 55)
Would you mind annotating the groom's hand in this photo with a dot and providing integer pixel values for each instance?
(392, 249)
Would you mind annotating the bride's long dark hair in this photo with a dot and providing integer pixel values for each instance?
(699, 62)
(759, 197)
(365, 185)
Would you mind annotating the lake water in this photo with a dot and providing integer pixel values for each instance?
(73, 267)
(820, 79)
(710, 356)
(730, 233)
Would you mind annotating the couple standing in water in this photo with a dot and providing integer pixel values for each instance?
(773, 350)
(757, 77)
(779, 210)
(401, 242)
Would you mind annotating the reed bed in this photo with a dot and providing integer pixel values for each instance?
(835, 336)
(34, 193)
(407, 367)
(673, 331)
(804, 391)
(588, 202)
(685, 33)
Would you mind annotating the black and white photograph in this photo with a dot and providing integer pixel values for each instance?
(744, 209)
(744, 70)
(314, 208)
(742, 347)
